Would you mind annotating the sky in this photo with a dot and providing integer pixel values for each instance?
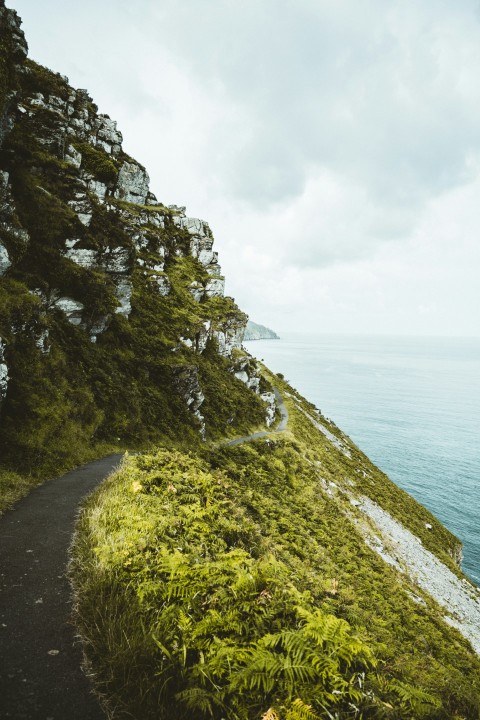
(332, 145)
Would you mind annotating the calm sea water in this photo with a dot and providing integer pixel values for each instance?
(411, 404)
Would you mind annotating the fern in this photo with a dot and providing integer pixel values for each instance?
(299, 710)
(413, 698)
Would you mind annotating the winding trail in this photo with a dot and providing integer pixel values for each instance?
(281, 427)
(40, 659)
(40, 673)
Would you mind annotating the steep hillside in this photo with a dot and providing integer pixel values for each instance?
(234, 567)
(114, 327)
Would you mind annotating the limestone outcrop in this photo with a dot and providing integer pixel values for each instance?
(85, 244)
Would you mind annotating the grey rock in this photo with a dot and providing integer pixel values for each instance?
(5, 262)
(215, 287)
(269, 399)
(117, 260)
(73, 309)
(42, 341)
(402, 549)
(83, 207)
(197, 290)
(163, 284)
(202, 337)
(188, 386)
(108, 137)
(73, 156)
(97, 188)
(124, 296)
(202, 249)
(179, 209)
(229, 339)
(194, 226)
(132, 183)
(82, 257)
(3, 372)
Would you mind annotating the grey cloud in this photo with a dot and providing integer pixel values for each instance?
(342, 85)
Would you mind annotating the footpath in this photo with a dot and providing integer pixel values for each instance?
(40, 657)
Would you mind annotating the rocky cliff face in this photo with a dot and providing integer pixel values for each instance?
(100, 281)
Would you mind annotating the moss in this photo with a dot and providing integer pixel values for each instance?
(40, 79)
(98, 163)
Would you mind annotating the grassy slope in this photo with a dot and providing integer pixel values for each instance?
(184, 564)
(77, 399)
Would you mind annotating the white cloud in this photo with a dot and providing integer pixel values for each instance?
(332, 144)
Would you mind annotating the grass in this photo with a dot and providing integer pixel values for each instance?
(197, 573)
(15, 485)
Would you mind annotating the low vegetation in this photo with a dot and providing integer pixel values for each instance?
(230, 583)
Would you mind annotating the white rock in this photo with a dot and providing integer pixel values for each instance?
(194, 226)
(269, 399)
(140, 241)
(107, 135)
(42, 342)
(83, 207)
(72, 308)
(73, 156)
(242, 375)
(163, 284)
(37, 100)
(3, 372)
(215, 287)
(202, 337)
(155, 219)
(5, 262)
(82, 257)
(179, 209)
(56, 103)
(116, 260)
(124, 296)
(98, 188)
(196, 290)
(228, 340)
(132, 184)
(202, 249)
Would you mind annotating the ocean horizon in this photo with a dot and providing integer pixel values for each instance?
(411, 404)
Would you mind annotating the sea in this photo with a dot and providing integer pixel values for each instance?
(411, 404)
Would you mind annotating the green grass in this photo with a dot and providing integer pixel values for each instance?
(200, 577)
(14, 485)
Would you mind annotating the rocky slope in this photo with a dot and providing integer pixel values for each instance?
(110, 301)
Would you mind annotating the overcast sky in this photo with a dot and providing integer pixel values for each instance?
(332, 145)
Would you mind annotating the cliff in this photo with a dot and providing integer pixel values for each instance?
(110, 301)
(254, 331)
(234, 567)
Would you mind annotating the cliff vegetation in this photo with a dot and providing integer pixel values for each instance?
(280, 578)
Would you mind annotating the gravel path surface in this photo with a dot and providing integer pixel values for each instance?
(40, 675)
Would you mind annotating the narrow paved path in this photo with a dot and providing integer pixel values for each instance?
(40, 675)
(281, 427)
(40, 660)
